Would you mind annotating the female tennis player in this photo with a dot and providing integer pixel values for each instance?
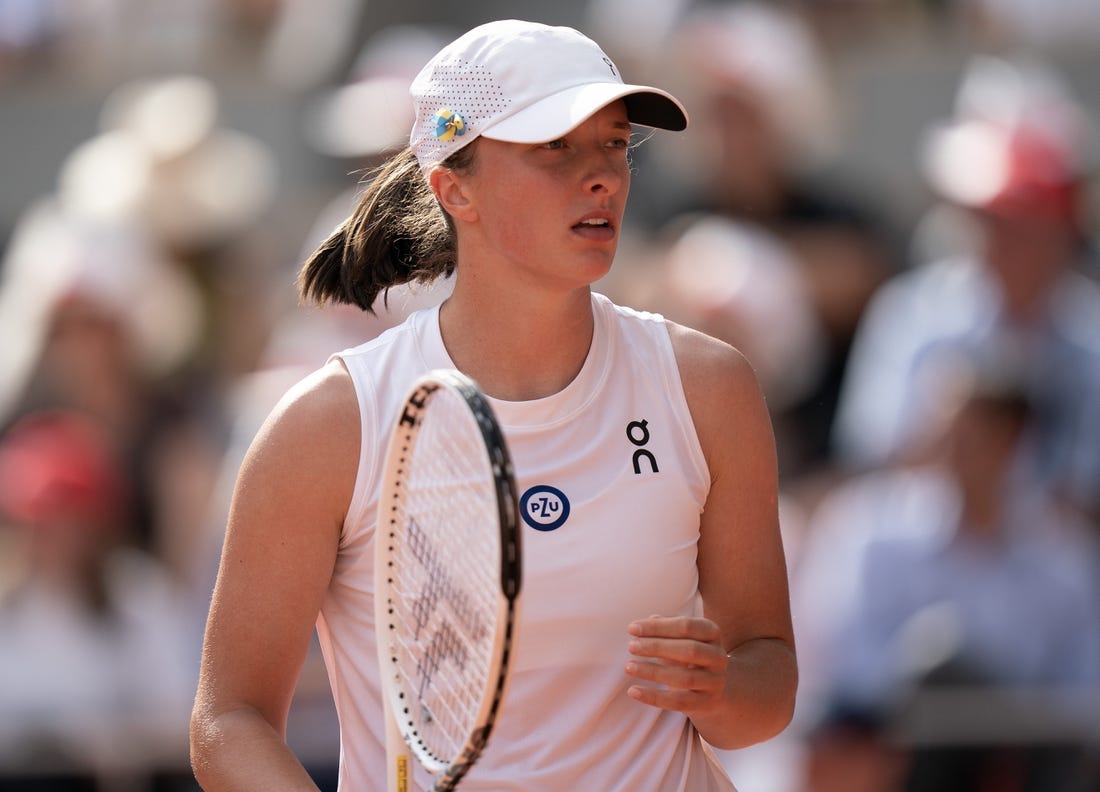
(655, 620)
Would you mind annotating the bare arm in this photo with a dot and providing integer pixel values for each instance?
(288, 506)
(734, 671)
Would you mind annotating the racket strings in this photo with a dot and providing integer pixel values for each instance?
(445, 585)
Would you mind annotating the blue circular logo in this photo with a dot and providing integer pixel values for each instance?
(544, 508)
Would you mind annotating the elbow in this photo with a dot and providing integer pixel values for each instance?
(780, 712)
(787, 694)
(783, 712)
(209, 737)
(200, 745)
(746, 732)
(765, 713)
(746, 735)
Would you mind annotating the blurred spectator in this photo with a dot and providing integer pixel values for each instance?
(58, 263)
(949, 574)
(97, 664)
(764, 119)
(165, 163)
(165, 160)
(98, 322)
(1016, 159)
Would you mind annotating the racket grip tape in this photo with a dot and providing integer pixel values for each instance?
(402, 773)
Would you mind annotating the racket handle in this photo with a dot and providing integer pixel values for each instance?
(398, 757)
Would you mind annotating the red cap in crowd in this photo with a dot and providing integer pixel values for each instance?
(59, 466)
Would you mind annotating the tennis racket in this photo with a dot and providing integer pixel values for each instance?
(447, 575)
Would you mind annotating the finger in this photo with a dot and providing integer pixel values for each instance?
(702, 680)
(682, 652)
(669, 699)
(695, 628)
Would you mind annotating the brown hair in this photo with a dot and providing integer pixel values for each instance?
(398, 233)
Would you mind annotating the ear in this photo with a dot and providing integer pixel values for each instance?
(452, 196)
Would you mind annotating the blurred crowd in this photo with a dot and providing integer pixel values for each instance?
(889, 205)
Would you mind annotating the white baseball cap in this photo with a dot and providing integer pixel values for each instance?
(522, 82)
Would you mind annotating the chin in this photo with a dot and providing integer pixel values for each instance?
(597, 271)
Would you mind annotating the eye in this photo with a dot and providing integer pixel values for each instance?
(555, 145)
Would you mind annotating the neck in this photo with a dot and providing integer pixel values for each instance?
(515, 347)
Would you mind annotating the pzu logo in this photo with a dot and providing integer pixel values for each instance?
(637, 432)
(544, 508)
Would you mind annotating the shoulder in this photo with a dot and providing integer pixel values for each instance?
(312, 435)
(316, 400)
(723, 395)
(711, 368)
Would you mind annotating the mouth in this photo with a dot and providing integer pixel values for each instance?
(599, 228)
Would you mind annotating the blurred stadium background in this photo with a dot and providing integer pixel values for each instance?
(890, 205)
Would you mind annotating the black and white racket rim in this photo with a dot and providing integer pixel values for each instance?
(447, 572)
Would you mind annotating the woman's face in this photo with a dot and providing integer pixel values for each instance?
(554, 211)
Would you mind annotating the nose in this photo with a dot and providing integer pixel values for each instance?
(606, 172)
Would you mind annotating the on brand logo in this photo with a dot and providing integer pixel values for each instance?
(637, 432)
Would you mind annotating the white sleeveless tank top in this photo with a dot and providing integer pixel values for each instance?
(612, 483)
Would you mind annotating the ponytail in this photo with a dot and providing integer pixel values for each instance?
(397, 234)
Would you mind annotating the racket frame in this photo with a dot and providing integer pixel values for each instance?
(401, 742)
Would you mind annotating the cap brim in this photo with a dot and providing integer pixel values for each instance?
(558, 114)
